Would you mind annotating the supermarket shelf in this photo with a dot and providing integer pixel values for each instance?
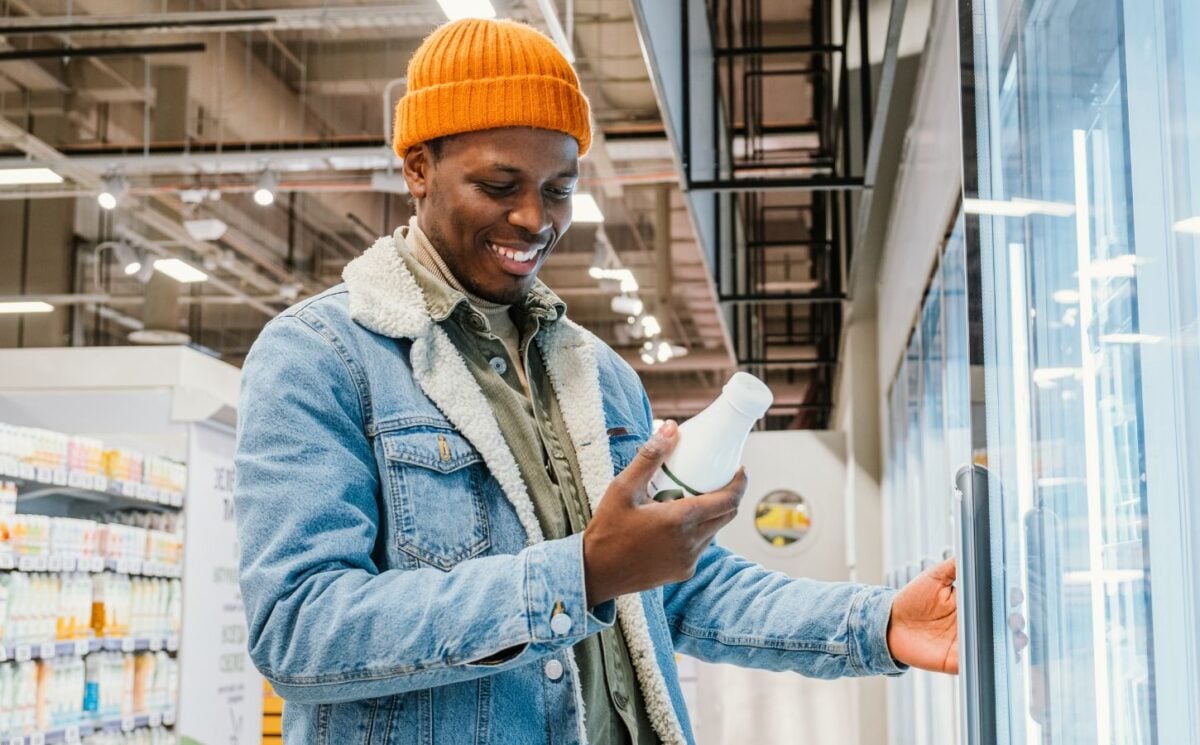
(80, 647)
(93, 564)
(50, 483)
(74, 733)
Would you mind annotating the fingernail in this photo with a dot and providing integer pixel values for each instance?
(668, 428)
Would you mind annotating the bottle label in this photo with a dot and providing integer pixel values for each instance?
(91, 697)
(665, 487)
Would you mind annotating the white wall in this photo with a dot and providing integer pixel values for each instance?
(928, 187)
(733, 706)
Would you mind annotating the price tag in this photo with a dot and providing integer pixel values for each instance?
(127, 724)
(40, 563)
(15, 741)
(25, 563)
(156, 719)
(8, 465)
(27, 471)
(60, 477)
(172, 643)
(71, 734)
(122, 566)
(128, 644)
(100, 483)
(156, 644)
(7, 561)
(45, 475)
(97, 563)
(48, 651)
(169, 717)
(54, 564)
(135, 566)
(3, 653)
(37, 738)
(82, 647)
(24, 653)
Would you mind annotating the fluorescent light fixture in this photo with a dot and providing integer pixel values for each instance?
(112, 190)
(584, 209)
(1066, 297)
(264, 193)
(180, 271)
(207, 229)
(1190, 225)
(648, 358)
(1017, 207)
(458, 9)
(629, 306)
(1130, 338)
(35, 306)
(1118, 266)
(27, 176)
(1047, 377)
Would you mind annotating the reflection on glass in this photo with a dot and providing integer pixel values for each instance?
(1087, 231)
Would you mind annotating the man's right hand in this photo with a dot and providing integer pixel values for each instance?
(634, 544)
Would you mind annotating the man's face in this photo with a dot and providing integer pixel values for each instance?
(495, 204)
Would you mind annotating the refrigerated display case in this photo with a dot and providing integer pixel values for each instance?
(1082, 194)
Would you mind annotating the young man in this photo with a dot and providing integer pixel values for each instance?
(441, 478)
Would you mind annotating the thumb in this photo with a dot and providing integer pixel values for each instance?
(649, 457)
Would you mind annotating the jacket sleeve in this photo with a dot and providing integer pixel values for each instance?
(734, 611)
(325, 624)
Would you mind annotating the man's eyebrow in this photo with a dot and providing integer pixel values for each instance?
(516, 170)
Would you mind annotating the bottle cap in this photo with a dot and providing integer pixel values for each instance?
(748, 394)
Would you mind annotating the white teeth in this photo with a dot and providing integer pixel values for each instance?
(513, 254)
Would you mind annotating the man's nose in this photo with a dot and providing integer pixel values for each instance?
(531, 214)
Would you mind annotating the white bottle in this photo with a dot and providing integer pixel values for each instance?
(709, 448)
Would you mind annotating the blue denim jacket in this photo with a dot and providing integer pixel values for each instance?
(395, 578)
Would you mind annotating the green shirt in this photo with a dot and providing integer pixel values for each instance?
(533, 428)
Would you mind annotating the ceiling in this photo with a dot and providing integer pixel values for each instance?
(301, 88)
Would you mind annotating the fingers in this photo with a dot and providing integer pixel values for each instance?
(649, 457)
(703, 508)
(944, 572)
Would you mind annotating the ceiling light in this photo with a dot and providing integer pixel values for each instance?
(127, 258)
(651, 326)
(585, 210)
(1129, 338)
(625, 305)
(26, 176)
(648, 358)
(1066, 297)
(180, 271)
(1017, 207)
(1190, 225)
(112, 190)
(1118, 266)
(26, 307)
(663, 352)
(603, 256)
(208, 229)
(264, 193)
(458, 9)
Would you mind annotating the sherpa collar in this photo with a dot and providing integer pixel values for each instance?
(385, 298)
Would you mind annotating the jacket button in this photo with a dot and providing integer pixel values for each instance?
(553, 669)
(499, 365)
(560, 624)
(620, 699)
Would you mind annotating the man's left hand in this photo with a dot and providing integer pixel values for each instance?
(923, 629)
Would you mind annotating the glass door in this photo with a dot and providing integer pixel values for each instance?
(1083, 147)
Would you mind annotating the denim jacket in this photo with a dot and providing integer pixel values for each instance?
(396, 582)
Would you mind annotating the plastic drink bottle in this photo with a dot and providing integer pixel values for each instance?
(709, 449)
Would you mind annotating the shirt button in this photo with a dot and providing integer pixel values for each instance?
(553, 669)
(475, 322)
(499, 365)
(558, 454)
(560, 624)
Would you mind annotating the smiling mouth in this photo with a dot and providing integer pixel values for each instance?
(512, 254)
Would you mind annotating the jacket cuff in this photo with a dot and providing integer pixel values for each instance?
(870, 612)
(557, 593)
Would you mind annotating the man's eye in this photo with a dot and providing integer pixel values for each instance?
(560, 193)
(494, 188)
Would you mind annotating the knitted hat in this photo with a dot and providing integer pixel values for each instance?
(476, 74)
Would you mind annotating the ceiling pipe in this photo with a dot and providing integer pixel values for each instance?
(317, 17)
(114, 51)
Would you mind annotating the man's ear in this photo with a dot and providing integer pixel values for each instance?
(417, 167)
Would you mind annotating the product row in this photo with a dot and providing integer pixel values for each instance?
(75, 543)
(36, 696)
(151, 736)
(43, 608)
(54, 457)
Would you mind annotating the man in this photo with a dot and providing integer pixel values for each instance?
(441, 478)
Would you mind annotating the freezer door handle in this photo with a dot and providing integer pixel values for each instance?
(975, 633)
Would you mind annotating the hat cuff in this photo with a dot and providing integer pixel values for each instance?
(538, 101)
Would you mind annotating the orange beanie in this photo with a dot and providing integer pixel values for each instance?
(478, 74)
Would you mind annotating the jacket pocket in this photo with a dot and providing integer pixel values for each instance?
(435, 481)
(623, 447)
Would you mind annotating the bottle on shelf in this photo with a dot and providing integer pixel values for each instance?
(709, 448)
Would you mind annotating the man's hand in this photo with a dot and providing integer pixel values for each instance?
(634, 543)
(923, 629)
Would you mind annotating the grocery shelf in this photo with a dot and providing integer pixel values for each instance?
(92, 564)
(50, 483)
(75, 732)
(80, 647)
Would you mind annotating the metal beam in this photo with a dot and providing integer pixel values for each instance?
(112, 51)
(811, 183)
(778, 49)
(762, 297)
(316, 17)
